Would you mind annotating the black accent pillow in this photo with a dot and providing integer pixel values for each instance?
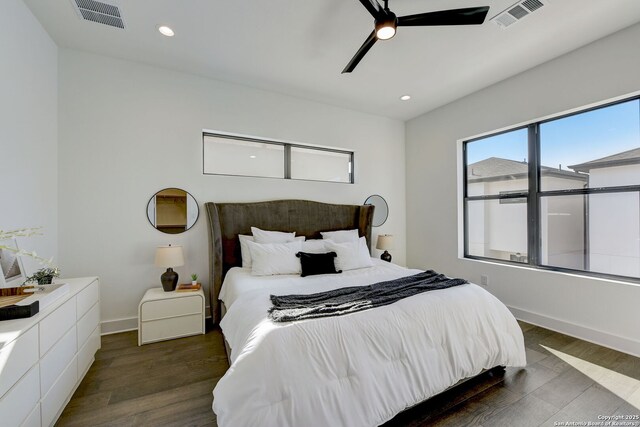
(313, 264)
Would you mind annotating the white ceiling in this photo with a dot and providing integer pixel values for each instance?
(299, 47)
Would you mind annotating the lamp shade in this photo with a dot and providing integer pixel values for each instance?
(385, 242)
(169, 256)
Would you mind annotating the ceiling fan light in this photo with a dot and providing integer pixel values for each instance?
(385, 33)
(386, 27)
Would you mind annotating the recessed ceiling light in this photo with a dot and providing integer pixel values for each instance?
(252, 157)
(166, 31)
(405, 97)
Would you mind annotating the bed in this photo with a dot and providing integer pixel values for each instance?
(359, 369)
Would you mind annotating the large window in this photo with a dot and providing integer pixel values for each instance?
(232, 155)
(560, 194)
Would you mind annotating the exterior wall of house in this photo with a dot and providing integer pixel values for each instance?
(614, 228)
(562, 231)
(499, 230)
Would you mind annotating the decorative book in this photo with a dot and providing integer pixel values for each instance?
(188, 287)
(9, 307)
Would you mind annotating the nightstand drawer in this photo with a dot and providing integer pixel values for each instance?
(166, 329)
(167, 308)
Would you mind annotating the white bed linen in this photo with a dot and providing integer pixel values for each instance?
(359, 369)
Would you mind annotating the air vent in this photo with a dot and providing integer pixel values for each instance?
(517, 11)
(102, 13)
(532, 5)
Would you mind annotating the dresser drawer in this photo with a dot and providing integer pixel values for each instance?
(52, 403)
(33, 420)
(88, 323)
(88, 352)
(87, 298)
(56, 360)
(18, 357)
(166, 329)
(55, 325)
(162, 309)
(18, 403)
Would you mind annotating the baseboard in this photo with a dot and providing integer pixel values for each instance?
(595, 336)
(115, 326)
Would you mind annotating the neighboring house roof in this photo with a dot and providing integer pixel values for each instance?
(498, 169)
(630, 157)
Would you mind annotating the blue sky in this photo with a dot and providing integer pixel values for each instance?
(570, 140)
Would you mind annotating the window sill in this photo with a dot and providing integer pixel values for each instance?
(601, 277)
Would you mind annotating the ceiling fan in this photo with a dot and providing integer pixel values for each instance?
(386, 22)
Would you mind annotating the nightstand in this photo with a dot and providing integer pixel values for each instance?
(168, 315)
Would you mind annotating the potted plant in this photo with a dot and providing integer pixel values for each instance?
(44, 276)
(194, 279)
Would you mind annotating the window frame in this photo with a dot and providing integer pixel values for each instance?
(534, 195)
(287, 156)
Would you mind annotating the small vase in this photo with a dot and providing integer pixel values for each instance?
(194, 282)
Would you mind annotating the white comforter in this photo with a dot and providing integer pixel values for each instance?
(355, 370)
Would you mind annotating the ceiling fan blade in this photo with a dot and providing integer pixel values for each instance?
(373, 7)
(370, 41)
(467, 16)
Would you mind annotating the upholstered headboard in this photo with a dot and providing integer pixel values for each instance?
(305, 217)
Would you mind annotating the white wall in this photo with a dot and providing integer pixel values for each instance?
(129, 130)
(28, 129)
(599, 310)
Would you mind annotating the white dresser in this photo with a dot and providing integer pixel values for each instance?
(44, 358)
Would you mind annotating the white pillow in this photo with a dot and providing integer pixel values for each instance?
(264, 236)
(341, 236)
(314, 246)
(246, 253)
(275, 258)
(244, 250)
(351, 255)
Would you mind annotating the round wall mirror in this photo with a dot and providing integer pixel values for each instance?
(381, 212)
(172, 211)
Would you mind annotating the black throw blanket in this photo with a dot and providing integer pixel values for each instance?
(342, 301)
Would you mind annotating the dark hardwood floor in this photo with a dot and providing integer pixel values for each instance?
(170, 384)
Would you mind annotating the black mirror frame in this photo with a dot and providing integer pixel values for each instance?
(172, 188)
(374, 213)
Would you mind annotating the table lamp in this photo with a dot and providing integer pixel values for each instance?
(169, 257)
(385, 241)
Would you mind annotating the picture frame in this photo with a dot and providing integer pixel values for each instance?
(12, 273)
